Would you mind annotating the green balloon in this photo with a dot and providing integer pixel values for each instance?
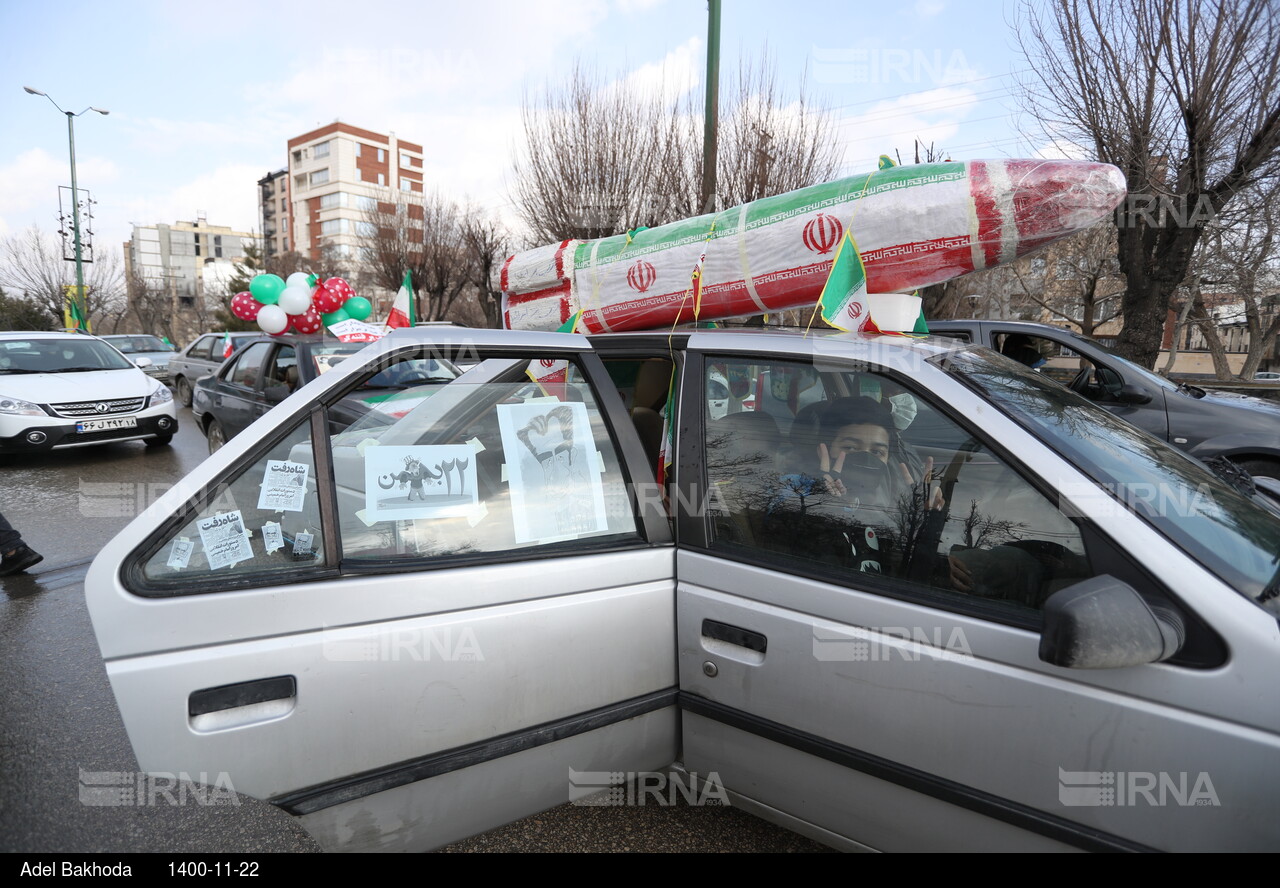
(266, 288)
(335, 317)
(358, 307)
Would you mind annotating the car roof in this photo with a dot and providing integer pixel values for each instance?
(43, 334)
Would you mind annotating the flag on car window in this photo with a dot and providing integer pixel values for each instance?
(402, 309)
(227, 347)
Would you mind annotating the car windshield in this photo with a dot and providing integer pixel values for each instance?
(1224, 530)
(137, 345)
(69, 355)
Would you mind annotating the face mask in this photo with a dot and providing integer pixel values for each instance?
(903, 408)
(866, 477)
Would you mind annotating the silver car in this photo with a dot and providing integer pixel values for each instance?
(927, 600)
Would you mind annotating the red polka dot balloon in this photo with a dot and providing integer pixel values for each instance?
(245, 307)
(326, 300)
(308, 322)
(341, 287)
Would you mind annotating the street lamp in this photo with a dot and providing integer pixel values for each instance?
(78, 308)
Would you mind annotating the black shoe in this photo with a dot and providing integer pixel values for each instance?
(19, 560)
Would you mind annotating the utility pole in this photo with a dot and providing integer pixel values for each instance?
(711, 123)
(79, 309)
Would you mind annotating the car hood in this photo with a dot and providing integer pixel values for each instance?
(1238, 400)
(91, 385)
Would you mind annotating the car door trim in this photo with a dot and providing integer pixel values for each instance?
(993, 806)
(337, 792)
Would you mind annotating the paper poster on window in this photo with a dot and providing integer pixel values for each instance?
(302, 542)
(552, 465)
(428, 481)
(272, 536)
(180, 554)
(224, 539)
(284, 486)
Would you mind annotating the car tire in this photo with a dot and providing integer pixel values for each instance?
(1267, 468)
(183, 388)
(217, 437)
(161, 441)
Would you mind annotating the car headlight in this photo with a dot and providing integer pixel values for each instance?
(19, 407)
(161, 395)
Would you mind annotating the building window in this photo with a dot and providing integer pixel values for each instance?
(333, 226)
(366, 204)
(406, 185)
(382, 156)
(382, 178)
(330, 201)
(359, 146)
(366, 229)
(406, 160)
(297, 156)
(321, 150)
(320, 177)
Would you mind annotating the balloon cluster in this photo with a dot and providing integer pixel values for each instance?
(304, 303)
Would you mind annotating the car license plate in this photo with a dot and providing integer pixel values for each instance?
(102, 425)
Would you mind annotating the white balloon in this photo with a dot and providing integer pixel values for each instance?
(298, 279)
(295, 300)
(273, 319)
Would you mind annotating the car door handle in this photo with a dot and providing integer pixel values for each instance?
(246, 693)
(752, 641)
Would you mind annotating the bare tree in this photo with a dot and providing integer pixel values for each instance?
(1184, 97)
(426, 236)
(488, 244)
(770, 143)
(31, 263)
(1237, 260)
(602, 158)
(1077, 280)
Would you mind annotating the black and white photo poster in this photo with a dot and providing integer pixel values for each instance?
(553, 469)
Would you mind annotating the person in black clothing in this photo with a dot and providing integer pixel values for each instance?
(15, 555)
(860, 498)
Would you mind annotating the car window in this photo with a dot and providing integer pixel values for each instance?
(247, 369)
(511, 456)
(283, 371)
(64, 355)
(200, 350)
(264, 519)
(849, 475)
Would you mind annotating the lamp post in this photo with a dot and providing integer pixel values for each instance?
(79, 309)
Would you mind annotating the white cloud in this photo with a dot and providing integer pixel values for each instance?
(679, 71)
(927, 9)
(638, 7)
(29, 186)
(225, 196)
(933, 117)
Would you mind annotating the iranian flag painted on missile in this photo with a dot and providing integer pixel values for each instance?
(913, 226)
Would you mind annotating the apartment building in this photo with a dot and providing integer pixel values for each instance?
(336, 174)
(178, 274)
(273, 213)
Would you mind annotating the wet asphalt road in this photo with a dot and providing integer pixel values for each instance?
(60, 720)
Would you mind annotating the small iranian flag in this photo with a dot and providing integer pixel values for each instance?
(227, 346)
(402, 309)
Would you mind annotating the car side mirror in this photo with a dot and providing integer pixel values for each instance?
(1131, 394)
(1103, 623)
(142, 363)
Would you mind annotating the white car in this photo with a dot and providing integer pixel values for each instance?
(1004, 619)
(60, 390)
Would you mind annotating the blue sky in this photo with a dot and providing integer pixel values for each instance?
(204, 96)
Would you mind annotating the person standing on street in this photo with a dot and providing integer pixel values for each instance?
(15, 555)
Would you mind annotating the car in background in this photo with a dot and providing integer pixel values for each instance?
(150, 353)
(60, 390)
(1267, 376)
(202, 357)
(1061, 634)
(267, 369)
(1204, 423)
